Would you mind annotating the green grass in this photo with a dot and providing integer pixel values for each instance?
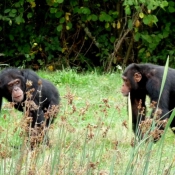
(88, 136)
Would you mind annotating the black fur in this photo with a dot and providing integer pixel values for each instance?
(150, 85)
(49, 94)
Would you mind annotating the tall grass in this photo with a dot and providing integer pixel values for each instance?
(89, 136)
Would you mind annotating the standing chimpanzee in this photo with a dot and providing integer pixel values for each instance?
(145, 79)
(14, 87)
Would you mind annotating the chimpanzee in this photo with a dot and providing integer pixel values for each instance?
(14, 87)
(145, 79)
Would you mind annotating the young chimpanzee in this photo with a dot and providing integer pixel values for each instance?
(145, 79)
(13, 86)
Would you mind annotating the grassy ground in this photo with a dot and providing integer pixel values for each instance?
(90, 135)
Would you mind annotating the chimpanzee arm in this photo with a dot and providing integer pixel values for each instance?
(161, 109)
(136, 115)
(153, 87)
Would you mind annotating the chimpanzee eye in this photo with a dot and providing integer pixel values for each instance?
(17, 82)
(10, 85)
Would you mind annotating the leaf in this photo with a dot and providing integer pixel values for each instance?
(101, 17)
(58, 14)
(13, 10)
(130, 25)
(137, 36)
(137, 23)
(89, 17)
(118, 25)
(148, 54)
(59, 1)
(107, 25)
(76, 10)
(29, 15)
(149, 11)
(53, 10)
(68, 26)
(151, 6)
(50, 2)
(26, 48)
(67, 16)
(18, 19)
(94, 17)
(33, 4)
(62, 20)
(112, 39)
(142, 50)
(163, 4)
(127, 10)
(7, 10)
(154, 19)
(171, 9)
(10, 22)
(105, 17)
(115, 14)
(171, 3)
(12, 14)
(59, 28)
(148, 19)
(143, 1)
(63, 50)
(147, 38)
(17, 4)
(141, 15)
(156, 39)
(85, 10)
(160, 36)
(165, 33)
(113, 24)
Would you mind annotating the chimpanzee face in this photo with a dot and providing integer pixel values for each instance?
(14, 88)
(130, 82)
(12, 85)
(125, 87)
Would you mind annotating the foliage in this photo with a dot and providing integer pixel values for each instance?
(62, 33)
(153, 29)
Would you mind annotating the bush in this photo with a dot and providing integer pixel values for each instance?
(86, 34)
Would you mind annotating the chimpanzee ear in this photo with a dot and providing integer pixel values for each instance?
(137, 77)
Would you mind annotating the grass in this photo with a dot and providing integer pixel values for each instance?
(90, 135)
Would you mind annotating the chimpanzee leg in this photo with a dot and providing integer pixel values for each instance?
(161, 112)
(138, 109)
(137, 117)
(39, 131)
(38, 118)
(52, 112)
